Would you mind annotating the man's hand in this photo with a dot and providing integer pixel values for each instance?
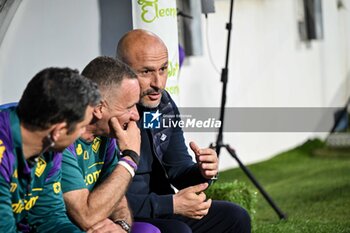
(122, 211)
(191, 202)
(129, 138)
(105, 226)
(207, 160)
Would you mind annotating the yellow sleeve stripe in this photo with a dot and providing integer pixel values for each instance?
(37, 189)
(95, 164)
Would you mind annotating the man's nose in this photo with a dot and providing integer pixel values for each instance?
(156, 81)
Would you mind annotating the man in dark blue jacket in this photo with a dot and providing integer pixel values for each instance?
(165, 161)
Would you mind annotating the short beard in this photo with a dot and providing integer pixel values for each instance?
(147, 92)
(147, 105)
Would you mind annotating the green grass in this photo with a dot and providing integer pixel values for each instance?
(236, 192)
(314, 191)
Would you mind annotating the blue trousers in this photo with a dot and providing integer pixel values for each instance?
(223, 217)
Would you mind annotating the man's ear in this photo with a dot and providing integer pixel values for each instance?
(58, 130)
(98, 110)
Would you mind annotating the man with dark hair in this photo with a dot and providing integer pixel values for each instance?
(94, 181)
(165, 161)
(53, 111)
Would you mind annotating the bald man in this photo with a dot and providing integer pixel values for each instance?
(165, 161)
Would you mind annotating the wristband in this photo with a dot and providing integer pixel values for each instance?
(127, 167)
(132, 154)
(131, 163)
(126, 227)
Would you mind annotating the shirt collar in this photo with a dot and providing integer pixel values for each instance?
(17, 141)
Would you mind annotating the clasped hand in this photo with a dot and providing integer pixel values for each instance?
(191, 202)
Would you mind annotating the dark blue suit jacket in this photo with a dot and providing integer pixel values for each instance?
(164, 162)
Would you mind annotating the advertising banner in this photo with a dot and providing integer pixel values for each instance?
(160, 17)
